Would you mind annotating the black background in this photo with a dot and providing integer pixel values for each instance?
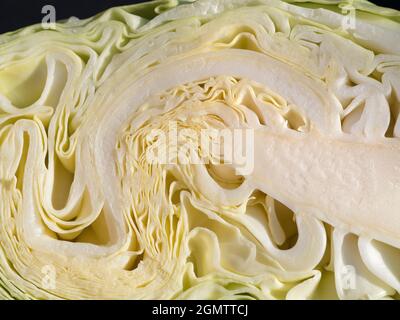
(15, 14)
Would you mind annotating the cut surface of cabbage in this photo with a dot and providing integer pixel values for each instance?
(313, 212)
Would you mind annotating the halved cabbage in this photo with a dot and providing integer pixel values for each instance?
(312, 213)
